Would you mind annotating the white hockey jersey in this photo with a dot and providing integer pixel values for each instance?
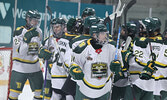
(143, 55)
(61, 58)
(25, 56)
(96, 68)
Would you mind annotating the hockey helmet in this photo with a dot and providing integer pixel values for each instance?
(75, 25)
(58, 27)
(88, 12)
(131, 28)
(33, 18)
(98, 29)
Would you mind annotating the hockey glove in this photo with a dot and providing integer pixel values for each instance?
(115, 66)
(45, 54)
(126, 54)
(118, 76)
(30, 34)
(76, 72)
(71, 24)
(148, 71)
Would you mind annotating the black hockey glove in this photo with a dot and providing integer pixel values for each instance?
(148, 70)
(45, 54)
(76, 72)
(30, 34)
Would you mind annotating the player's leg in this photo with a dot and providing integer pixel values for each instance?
(16, 84)
(36, 82)
(48, 90)
(163, 95)
(57, 94)
(104, 97)
(147, 95)
(80, 96)
(136, 92)
(157, 97)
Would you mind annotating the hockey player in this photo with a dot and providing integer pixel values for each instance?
(75, 26)
(56, 49)
(93, 65)
(121, 80)
(90, 20)
(161, 73)
(26, 42)
(88, 12)
(143, 88)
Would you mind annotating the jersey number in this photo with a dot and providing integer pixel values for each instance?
(139, 53)
(57, 56)
(165, 53)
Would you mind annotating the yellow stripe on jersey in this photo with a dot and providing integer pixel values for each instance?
(70, 34)
(139, 62)
(14, 98)
(25, 61)
(16, 91)
(160, 64)
(95, 86)
(135, 72)
(59, 76)
(88, 41)
(18, 28)
(159, 77)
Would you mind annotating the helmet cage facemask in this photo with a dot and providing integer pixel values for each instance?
(60, 32)
(38, 21)
(99, 41)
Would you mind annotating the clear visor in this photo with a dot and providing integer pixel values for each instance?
(103, 37)
(34, 22)
(58, 30)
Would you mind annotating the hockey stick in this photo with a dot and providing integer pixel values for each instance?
(129, 5)
(46, 62)
(114, 15)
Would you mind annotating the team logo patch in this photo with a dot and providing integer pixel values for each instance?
(99, 70)
(33, 48)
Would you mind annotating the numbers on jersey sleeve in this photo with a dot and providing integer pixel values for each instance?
(139, 53)
(58, 59)
(16, 41)
(165, 53)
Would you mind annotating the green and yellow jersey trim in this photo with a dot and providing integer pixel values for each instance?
(59, 76)
(25, 61)
(95, 86)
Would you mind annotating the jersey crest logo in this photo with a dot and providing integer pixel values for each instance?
(99, 70)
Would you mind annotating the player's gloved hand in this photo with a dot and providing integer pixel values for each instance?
(126, 54)
(45, 54)
(115, 66)
(71, 24)
(148, 70)
(76, 72)
(118, 76)
(30, 34)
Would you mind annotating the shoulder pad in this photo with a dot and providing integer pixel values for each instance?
(78, 38)
(142, 39)
(142, 42)
(18, 31)
(112, 42)
(69, 36)
(81, 46)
